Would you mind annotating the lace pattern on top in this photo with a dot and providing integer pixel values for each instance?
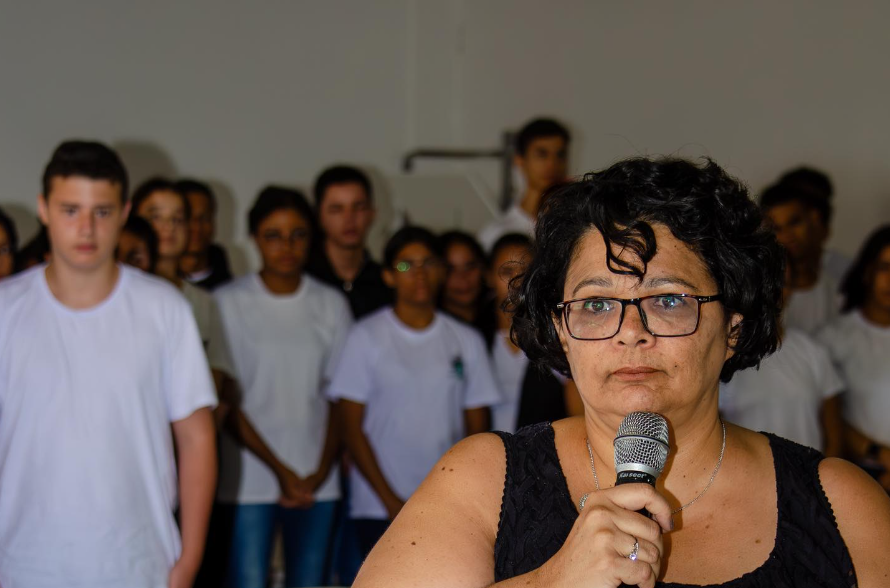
(537, 514)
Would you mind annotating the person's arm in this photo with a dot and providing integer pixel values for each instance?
(445, 535)
(477, 420)
(195, 438)
(295, 491)
(362, 453)
(862, 511)
(832, 427)
(330, 450)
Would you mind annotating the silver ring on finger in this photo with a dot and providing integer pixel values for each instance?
(632, 556)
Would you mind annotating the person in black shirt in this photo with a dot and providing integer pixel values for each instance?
(345, 207)
(204, 264)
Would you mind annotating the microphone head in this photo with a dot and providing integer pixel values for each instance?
(641, 444)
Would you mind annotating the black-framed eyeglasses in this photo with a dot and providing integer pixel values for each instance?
(663, 315)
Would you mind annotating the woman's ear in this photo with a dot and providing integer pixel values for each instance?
(732, 334)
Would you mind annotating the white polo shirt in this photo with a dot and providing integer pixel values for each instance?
(415, 385)
(88, 480)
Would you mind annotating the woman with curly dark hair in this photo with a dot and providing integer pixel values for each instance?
(651, 281)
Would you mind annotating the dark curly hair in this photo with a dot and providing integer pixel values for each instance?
(701, 205)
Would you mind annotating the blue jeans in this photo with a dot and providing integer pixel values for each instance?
(306, 534)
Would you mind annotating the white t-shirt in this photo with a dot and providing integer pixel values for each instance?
(509, 371)
(209, 326)
(785, 395)
(415, 385)
(88, 480)
(861, 352)
(283, 349)
(514, 220)
(810, 310)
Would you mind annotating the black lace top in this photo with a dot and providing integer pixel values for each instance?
(537, 514)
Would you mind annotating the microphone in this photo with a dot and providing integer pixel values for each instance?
(641, 450)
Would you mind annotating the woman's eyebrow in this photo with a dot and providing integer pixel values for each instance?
(667, 281)
(596, 281)
(658, 282)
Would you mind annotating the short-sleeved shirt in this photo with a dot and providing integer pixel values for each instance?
(415, 385)
(860, 350)
(283, 349)
(785, 395)
(514, 220)
(811, 309)
(88, 480)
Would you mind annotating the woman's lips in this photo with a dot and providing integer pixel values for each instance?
(633, 374)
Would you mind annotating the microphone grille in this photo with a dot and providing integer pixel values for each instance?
(642, 443)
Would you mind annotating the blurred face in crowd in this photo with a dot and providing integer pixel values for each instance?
(509, 262)
(83, 219)
(134, 250)
(200, 234)
(346, 215)
(544, 162)
(797, 229)
(465, 273)
(166, 212)
(417, 275)
(879, 295)
(283, 241)
(5, 254)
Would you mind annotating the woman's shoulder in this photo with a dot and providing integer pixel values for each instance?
(861, 509)
(445, 533)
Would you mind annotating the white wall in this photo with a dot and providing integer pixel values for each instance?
(246, 94)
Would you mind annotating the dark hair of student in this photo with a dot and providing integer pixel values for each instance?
(816, 184)
(857, 281)
(408, 236)
(158, 184)
(341, 174)
(11, 235)
(88, 159)
(509, 240)
(701, 205)
(537, 129)
(189, 186)
(449, 238)
(141, 228)
(779, 194)
(33, 252)
(810, 180)
(274, 198)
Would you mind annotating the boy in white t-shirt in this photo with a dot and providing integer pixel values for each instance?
(796, 217)
(541, 155)
(411, 382)
(102, 374)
